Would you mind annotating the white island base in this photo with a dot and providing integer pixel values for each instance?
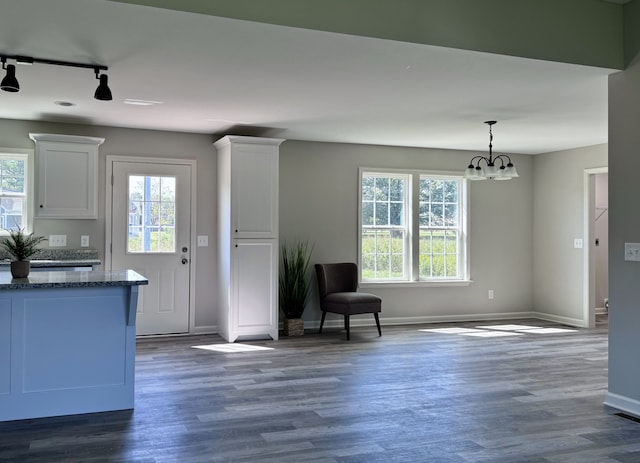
(67, 343)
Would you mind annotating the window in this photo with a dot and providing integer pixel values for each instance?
(152, 207)
(14, 190)
(412, 227)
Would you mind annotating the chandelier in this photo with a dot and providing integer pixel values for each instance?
(497, 167)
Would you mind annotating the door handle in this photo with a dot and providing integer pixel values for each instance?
(185, 261)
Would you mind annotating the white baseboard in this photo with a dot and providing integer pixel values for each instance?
(337, 321)
(206, 329)
(578, 323)
(625, 404)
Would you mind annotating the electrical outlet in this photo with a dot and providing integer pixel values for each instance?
(491, 294)
(84, 241)
(57, 241)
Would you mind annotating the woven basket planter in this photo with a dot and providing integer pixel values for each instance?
(294, 327)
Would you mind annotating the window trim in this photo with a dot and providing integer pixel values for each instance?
(28, 156)
(413, 229)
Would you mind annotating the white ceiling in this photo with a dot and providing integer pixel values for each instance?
(213, 75)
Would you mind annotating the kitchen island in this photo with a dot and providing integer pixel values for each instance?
(67, 342)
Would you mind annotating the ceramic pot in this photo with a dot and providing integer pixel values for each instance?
(20, 268)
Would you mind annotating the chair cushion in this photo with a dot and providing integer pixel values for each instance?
(349, 303)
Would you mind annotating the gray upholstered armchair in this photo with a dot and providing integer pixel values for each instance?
(338, 291)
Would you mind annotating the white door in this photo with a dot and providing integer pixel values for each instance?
(150, 233)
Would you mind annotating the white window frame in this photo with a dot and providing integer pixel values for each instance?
(412, 229)
(27, 211)
(406, 219)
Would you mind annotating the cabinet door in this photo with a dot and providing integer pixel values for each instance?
(67, 180)
(254, 191)
(254, 305)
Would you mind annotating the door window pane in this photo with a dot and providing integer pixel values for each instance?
(152, 208)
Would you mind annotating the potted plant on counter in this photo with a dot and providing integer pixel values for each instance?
(21, 246)
(294, 285)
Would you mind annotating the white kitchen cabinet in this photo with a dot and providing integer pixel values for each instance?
(254, 297)
(248, 237)
(66, 173)
(254, 189)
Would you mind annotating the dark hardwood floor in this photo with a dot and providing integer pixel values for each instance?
(491, 395)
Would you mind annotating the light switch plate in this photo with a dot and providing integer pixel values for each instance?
(632, 252)
(57, 241)
(577, 243)
(203, 240)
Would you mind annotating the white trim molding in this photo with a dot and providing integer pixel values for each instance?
(368, 320)
(577, 322)
(623, 403)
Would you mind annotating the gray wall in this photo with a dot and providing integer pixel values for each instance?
(558, 218)
(624, 226)
(129, 142)
(572, 31)
(318, 202)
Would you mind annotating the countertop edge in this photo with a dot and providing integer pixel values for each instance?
(44, 263)
(72, 279)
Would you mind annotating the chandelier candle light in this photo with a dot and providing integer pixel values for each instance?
(491, 170)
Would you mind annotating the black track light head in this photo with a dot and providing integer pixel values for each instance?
(103, 92)
(10, 83)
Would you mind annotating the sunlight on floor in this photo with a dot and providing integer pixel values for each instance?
(493, 331)
(492, 334)
(232, 348)
(508, 327)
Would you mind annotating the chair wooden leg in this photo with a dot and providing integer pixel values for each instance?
(324, 314)
(375, 314)
(346, 325)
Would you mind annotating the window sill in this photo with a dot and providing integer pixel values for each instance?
(414, 284)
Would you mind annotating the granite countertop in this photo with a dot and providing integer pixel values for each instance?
(58, 258)
(71, 279)
(42, 263)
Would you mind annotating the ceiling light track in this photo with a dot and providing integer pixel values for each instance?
(10, 82)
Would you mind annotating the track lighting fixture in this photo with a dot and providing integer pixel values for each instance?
(10, 82)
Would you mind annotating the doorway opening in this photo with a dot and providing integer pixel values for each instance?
(596, 275)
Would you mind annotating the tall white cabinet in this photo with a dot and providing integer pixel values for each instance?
(248, 237)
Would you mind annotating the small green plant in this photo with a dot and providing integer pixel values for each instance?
(294, 282)
(21, 245)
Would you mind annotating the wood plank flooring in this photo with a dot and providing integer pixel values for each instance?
(408, 396)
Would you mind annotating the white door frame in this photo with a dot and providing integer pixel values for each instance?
(192, 238)
(589, 267)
